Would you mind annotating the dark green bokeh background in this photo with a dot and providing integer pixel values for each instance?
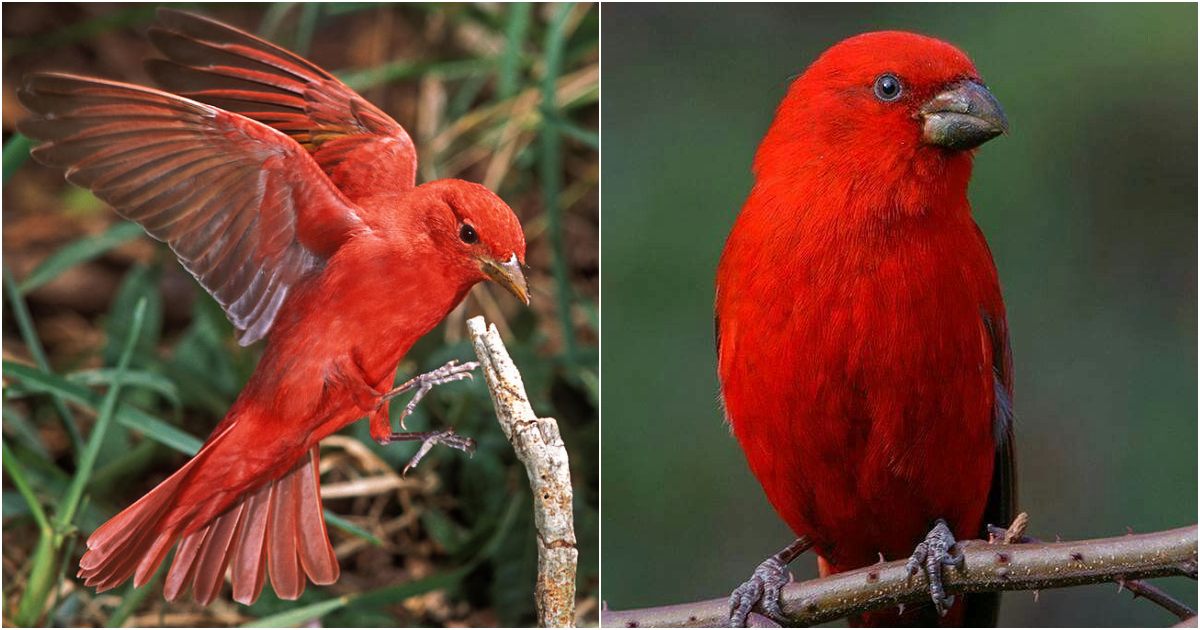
(1090, 208)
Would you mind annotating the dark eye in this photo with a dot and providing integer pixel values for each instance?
(468, 235)
(888, 88)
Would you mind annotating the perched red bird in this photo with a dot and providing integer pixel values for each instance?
(863, 351)
(299, 215)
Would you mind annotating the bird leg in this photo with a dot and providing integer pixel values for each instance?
(763, 588)
(933, 553)
(428, 440)
(424, 383)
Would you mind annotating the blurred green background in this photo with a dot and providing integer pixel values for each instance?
(1090, 209)
(506, 95)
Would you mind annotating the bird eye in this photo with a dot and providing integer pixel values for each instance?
(468, 235)
(888, 88)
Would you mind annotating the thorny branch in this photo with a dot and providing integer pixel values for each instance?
(540, 447)
(987, 567)
(1139, 588)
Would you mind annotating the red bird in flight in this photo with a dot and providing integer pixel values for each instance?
(863, 350)
(292, 201)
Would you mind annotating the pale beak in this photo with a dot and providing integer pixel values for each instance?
(508, 275)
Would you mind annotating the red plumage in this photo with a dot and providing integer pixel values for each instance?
(862, 343)
(299, 214)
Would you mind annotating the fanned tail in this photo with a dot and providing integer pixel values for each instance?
(278, 529)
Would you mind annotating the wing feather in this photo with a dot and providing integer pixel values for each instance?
(361, 149)
(245, 209)
(983, 608)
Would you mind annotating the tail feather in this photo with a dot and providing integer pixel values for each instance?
(316, 554)
(277, 531)
(214, 557)
(153, 558)
(284, 563)
(118, 552)
(249, 562)
(184, 565)
(127, 530)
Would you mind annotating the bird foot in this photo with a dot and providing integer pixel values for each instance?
(762, 591)
(424, 383)
(934, 553)
(429, 439)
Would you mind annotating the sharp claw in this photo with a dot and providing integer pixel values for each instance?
(430, 439)
(763, 590)
(932, 554)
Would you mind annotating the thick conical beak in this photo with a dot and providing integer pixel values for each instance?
(963, 117)
(508, 275)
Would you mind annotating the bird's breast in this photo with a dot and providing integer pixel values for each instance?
(855, 378)
(355, 321)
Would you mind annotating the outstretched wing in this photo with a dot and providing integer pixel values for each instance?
(360, 148)
(245, 209)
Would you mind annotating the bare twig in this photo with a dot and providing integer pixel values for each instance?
(1139, 588)
(540, 447)
(987, 567)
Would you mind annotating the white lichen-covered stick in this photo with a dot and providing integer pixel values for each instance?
(540, 447)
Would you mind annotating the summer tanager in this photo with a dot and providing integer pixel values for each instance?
(863, 351)
(299, 214)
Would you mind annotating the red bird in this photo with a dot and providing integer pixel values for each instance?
(299, 214)
(863, 351)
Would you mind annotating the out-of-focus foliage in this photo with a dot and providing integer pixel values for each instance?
(1089, 205)
(502, 94)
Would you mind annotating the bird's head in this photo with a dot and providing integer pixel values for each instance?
(475, 233)
(886, 102)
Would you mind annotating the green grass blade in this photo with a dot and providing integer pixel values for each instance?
(551, 168)
(129, 417)
(129, 463)
(404, 69)
(70, 503)
(589, 138)
(350, 528)
(80, 251)
(17, 474)
(297, 616)
(132, 378)
(508, 74)
(140, 379)
(16, 152)
(41, 579)
(272, 19)
(46, 558)
(29, 334)
(82, 31)
(395, 594)
(60, 578)
(132, 598)
(310, 14)
(22, 430)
